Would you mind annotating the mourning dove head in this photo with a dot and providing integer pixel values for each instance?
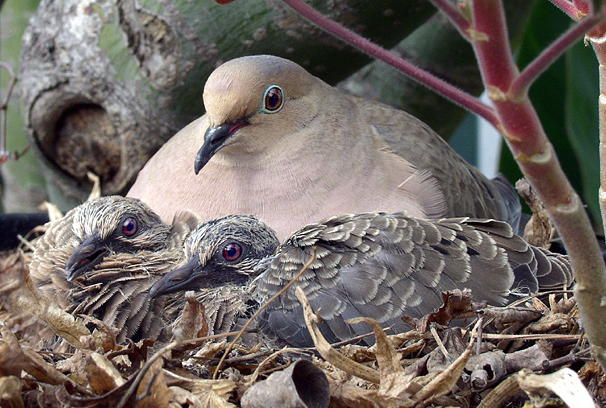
(252, 102)
(220, 252)
(109, 225)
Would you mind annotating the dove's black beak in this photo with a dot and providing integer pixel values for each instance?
(179, 279)
(84, 258)
(214, 140)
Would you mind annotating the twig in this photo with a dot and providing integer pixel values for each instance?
(528, 337)
(501, 393)
(570, 8)
(425, 78)
(147, 391)
(262, 308)
(139, 377)
(438, 340)
(454, 15)
(569, 358)
(532, 71)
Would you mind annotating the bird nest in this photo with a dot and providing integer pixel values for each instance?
(532, 350)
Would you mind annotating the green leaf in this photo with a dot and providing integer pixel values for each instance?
(565, 98)
(581, 107)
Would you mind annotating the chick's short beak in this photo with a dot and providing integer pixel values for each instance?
(178, 279)
(84, 258)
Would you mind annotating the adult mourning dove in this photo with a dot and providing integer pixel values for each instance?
(376, 265)
(102, 258)
(281, 144)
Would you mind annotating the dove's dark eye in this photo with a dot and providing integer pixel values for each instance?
(273, 100)
(232, 252)
(129, 227)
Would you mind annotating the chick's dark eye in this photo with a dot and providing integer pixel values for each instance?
(273, 99)
(129, 227)
(232, 252)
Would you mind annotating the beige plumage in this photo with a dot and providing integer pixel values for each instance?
(281, 144)
(377, 265)
(89, 263)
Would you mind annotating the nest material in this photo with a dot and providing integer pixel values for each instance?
(489, 357)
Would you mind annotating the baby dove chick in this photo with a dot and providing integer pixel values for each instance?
(377, 265)
(283, 145)
(102, 258)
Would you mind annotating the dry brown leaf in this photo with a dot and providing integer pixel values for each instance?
(327, 351)
(387, 357)
(101, 373)
(455, 304)
(23, 295)
(444, 382)
(538, 230)
(10, 392)
(209, 393)
(153, 391)
(96, 190)
(23, 358)
(206, 352)
(54, 213)
(565, 383)
(182, 397)
(12, 360)
(346, 396)
(193, 322)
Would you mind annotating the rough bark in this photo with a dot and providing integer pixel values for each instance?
(105, 84)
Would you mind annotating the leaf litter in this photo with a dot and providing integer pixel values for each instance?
(528, 354)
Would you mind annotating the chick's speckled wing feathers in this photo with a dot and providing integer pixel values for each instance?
(387, 265)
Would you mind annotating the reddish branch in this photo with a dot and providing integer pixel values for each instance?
(576, 9)
(444, 88)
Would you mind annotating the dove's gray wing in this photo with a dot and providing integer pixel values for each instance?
(387, 265)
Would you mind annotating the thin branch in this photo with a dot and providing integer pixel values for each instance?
(584, 6)
(521, 84)
(442, 87)
(569, 8)
(454, 15)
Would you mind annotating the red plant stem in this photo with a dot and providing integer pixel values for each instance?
(454, 15)
(584, 6)
(535, 155)
(571, 8)
(443, 88)
(521, 84)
